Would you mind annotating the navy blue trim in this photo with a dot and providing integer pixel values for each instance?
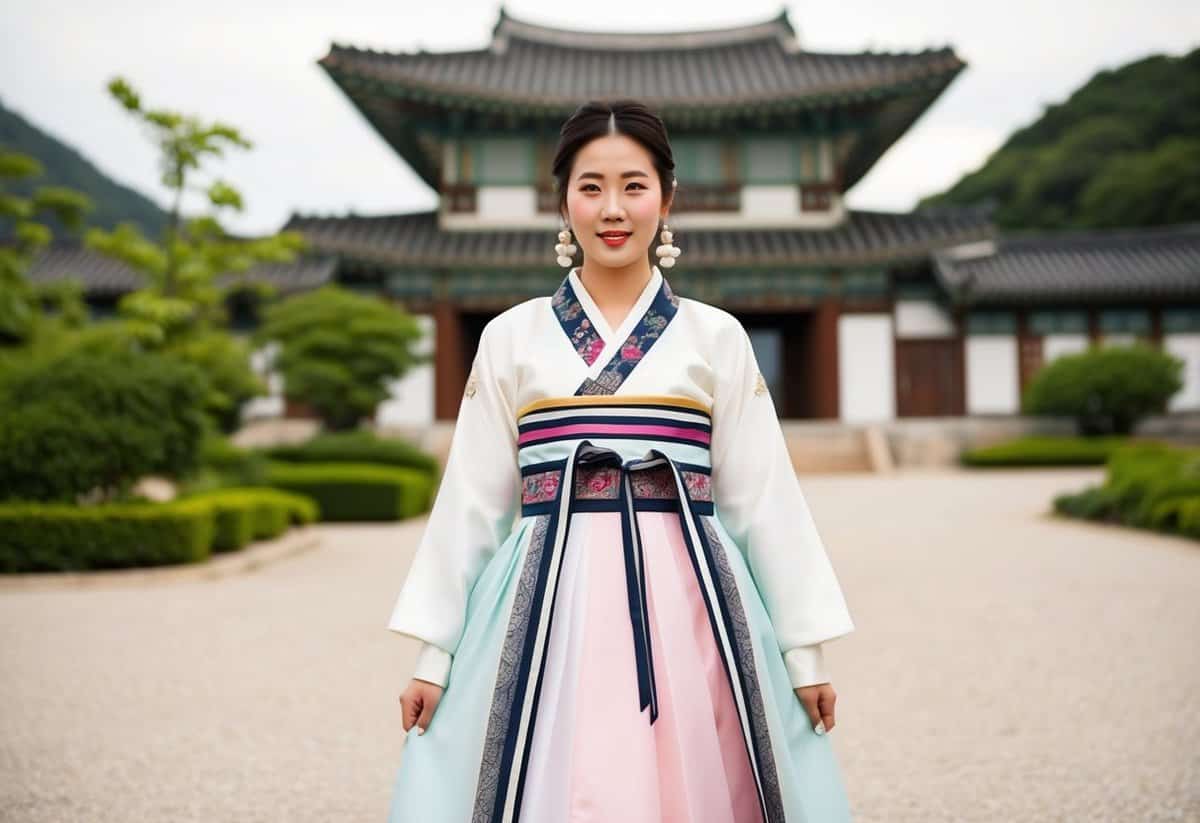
(545, 465)
(724, 620)
(526, 664)
(607, 436)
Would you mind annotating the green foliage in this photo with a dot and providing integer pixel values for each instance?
(1045, 451)
(244, 514)
(191, 268)
(45, 537)
(1149, 485)
(23, 229)
(1107, 389)
(88, 423)
(1123, 150)
(66, 167)
(225, 361)
(339, 350)
(356, 491)
(359, 446)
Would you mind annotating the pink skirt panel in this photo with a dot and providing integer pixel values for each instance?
(595, 758)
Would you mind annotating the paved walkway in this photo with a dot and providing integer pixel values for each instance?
(1006, 666)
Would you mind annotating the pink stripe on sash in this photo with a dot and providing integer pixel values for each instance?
(570, 429)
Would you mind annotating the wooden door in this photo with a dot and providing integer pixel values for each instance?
(929, 378)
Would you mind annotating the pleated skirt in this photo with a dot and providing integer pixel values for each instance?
(592, 754)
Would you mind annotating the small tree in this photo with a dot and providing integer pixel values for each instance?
(183, 268)
(1107, 389)
(24, 234)
(338, 350)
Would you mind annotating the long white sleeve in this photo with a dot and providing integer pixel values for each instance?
(759, 501)
(472, 514)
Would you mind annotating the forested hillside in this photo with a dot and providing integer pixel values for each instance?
(1123, 150)
(64, 166)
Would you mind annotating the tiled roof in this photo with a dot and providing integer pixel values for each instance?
(556, 69)
(105, 276)
(864, 238)
(1117, 265)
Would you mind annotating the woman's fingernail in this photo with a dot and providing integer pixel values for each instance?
(820, 727)
(420, 730)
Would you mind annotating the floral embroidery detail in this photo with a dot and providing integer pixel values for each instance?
(699, 485)
(760, 385)
(540, 487)
(597, 483)
(472, 384)
(575, 322)
(589, 345)
(657, 483)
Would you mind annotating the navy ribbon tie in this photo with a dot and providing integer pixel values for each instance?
(635, 573)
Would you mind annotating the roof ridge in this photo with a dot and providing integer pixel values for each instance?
(509, 28)
(1033, 237)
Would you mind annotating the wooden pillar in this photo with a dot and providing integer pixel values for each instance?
(823, 359)
(449, 369)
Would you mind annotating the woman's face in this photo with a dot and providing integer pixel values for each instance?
(613, 187)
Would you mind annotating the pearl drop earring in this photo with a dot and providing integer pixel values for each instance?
(565, 249)
(667, 252)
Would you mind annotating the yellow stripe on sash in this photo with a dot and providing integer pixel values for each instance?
(615, 400)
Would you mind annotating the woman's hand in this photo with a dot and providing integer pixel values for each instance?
(818, 702)
(418, 703)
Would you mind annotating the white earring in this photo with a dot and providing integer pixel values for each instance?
(565, 249)
(667, 252)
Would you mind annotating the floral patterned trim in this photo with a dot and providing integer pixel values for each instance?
(540, 487)
(504, 706)
(603, 483)
(743, 646)
(576, 323)
(699, 485)
(588, 343)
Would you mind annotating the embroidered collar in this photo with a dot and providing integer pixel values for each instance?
(644, 324)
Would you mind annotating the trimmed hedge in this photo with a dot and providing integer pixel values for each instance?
(243, 515)
(1044, 450)
(40, 537)
(357, 491)
(356, 447)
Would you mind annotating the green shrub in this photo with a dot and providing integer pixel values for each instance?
(1107, 389)
(1093, 503)
(247, 514)
(356, 491)
(234, 466)
(1040, 450)
(356, 447)
(83, 422)
(39, 537)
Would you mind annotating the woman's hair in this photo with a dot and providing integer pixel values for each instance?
(596, 118)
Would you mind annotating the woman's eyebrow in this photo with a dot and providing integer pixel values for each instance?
(598, 176)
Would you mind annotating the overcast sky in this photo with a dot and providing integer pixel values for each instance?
(254, 65)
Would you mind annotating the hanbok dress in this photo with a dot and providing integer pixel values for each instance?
(620, 584)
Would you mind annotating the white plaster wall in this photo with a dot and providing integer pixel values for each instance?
(866, 378)
(501, 204)
(1186, 346)
(993, 376)
(770, 201)
(922, 318)
(270, 404)
(410, 399)
(1119, 339)
(1056, 345)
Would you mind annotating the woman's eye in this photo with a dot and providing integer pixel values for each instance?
(594, 186)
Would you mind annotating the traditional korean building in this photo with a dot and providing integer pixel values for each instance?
(855, 315)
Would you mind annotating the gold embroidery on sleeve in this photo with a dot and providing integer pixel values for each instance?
(760, 385)
(472, 384)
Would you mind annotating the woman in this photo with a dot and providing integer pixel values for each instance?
(620, 592)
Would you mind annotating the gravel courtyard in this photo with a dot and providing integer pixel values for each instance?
(1006, 666)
